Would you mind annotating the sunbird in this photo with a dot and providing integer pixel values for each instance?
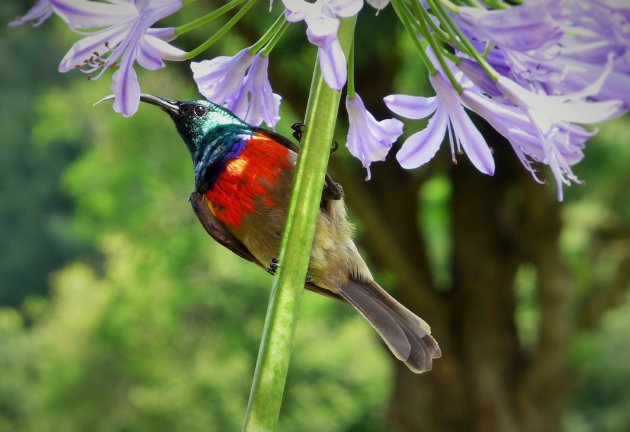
(243, 181)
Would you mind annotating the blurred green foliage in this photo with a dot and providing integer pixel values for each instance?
(158, 329)
(35, 212)
(151, 326)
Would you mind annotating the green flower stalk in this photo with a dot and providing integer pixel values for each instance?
(275, 350)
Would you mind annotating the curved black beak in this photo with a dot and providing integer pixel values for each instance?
(168, 105)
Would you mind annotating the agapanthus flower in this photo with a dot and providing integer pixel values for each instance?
(256, 101)
(448, 115)
(557, 46)
(378, 4)
(124, 36)
(545, 110)
(40, 12)
(554, 124)
(369, 140)
(595, 32)
(560, 149)
(541, 128)
(241, 84)
(220, 80)
(322, 19)
(532, 25)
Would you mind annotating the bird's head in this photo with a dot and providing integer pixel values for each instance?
(199, 122)
(209, 131)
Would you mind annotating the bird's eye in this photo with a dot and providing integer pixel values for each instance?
(200, 110)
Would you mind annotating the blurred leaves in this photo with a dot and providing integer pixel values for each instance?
(151, 326)
(158, 331)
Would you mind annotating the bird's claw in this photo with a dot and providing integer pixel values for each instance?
(274, 265)
(332, 189)
(298, 130)
(309, 278)
(298, 133)
(334, 147)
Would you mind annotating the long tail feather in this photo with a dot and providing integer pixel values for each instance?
(407, 336)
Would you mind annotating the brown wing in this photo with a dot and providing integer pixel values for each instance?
(218, 232)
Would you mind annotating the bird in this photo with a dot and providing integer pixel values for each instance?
(243, 179)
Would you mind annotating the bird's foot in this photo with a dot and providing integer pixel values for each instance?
(334, 147)
(298, 133)
(274, 265)
(309, 278)
(298, 130)
(332, 189)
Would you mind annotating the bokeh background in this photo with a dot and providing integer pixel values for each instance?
(118, 313)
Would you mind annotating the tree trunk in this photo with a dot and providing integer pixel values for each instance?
(486, 379)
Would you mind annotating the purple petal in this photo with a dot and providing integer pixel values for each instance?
(256, 102)
(167, 34)
(165, 50)
(422, 146)
(559, 149)
(346, 8)
(267, 101)
(412, 107)
(40, 12)
(220, 80)
(84, 49)
(333, 66)
(90, 14)
(148, 57)
(378, 4)
(522, 28)
(158, 9)
(126, 89)
(476, 74)
(321, 29)
(369, 140)
(581, 74)
(297, 10)
(331, 59)
(547, 108)
(472, 141)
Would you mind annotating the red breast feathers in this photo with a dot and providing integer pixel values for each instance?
(248, 180)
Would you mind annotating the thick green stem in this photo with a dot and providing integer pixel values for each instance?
(275, 348)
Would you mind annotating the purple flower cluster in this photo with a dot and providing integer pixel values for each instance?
(448, 114)
(322, 20)
(40, 12)
(369, 140)
(538, 72)
(560, 65)
(116, 34)
(224, 81)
